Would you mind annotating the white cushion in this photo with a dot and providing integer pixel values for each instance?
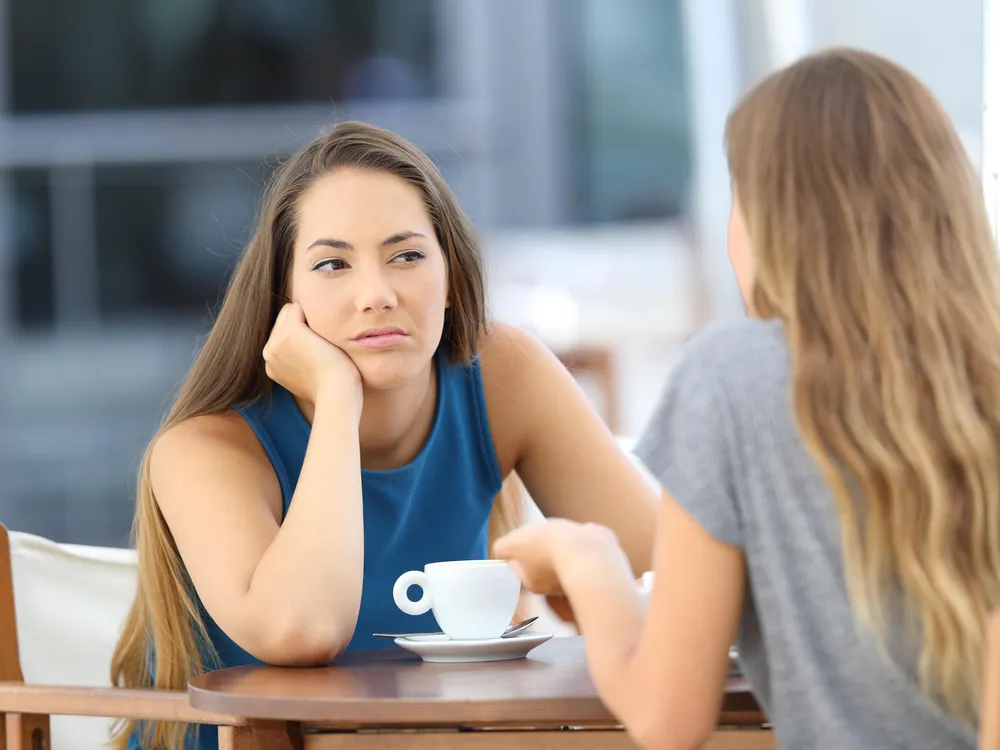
(70, 602)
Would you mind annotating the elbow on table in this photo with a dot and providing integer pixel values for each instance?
(664, 739)
(668, 730)
(303, 642)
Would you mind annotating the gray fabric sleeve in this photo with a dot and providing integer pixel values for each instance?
(687, 444)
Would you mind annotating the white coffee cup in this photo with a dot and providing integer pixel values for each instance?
(471, 599)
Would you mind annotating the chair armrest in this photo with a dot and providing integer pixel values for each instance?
(118, 703)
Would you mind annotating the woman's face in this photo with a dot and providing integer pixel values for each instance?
(369, 273)
(740, 252)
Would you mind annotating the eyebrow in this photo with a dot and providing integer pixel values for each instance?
(394, 239)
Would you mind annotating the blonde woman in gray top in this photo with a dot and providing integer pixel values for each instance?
(831, 465)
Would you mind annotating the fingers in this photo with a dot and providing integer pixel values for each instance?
(502, 548)
(518, 571)
(290, 311)
(510, 544)
(296, 313)
(282, 314)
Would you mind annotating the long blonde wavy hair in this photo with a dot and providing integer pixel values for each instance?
(872, 244)
(162, 631)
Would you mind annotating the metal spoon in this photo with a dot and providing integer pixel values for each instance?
(517, 627)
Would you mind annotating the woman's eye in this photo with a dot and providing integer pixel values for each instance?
(331, 264)
(410, 256)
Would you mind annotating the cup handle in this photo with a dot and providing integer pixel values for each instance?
(646, 584)
(403, 583)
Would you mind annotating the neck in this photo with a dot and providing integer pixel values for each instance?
(395, 422)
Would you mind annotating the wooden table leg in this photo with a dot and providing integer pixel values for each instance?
(261, 735)
(27, 732)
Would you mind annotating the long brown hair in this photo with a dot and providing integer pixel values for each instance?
(872, 243)
(164, 627)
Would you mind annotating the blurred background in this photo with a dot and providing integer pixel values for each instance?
(584, 138)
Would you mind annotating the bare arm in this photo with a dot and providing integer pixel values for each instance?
(664, 676)
(288, 593)
(663, 673)
(572, 466)
(316, 558)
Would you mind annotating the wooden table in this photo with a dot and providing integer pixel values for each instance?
(390, 699)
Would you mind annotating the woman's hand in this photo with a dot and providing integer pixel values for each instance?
(305, 363)
(540, 553)
(544, 554)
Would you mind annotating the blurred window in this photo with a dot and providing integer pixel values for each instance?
(632, 120)
(114, 54)
(168, 235)
(30, 236)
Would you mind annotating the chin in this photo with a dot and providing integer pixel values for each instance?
(385, 370)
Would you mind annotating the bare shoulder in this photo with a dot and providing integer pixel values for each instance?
(226, 433)
(520, 375)
(506, 351)
(204, 452)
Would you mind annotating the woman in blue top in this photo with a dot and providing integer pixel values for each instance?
(349, 418)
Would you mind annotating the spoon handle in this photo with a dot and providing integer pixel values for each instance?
(512, 630)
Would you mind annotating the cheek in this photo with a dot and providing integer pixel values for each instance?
(429, 291)
(733, 239)
(737, 255)
(738, 245)
(433, 299)
(322, 309)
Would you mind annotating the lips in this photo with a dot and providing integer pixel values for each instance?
(378, 332)
(381, 338)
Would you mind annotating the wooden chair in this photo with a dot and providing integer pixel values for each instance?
(26, 709)
(989, 712)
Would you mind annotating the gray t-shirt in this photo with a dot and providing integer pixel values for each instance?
(724, 443)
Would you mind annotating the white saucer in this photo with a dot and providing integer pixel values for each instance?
(443, 650)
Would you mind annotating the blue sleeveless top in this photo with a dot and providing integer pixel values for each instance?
(435, 508)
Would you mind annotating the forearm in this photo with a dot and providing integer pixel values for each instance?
(635, 525)
(636, 532)
(310, 576)
(609, 612)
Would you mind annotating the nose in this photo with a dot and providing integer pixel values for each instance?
(374, 293)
